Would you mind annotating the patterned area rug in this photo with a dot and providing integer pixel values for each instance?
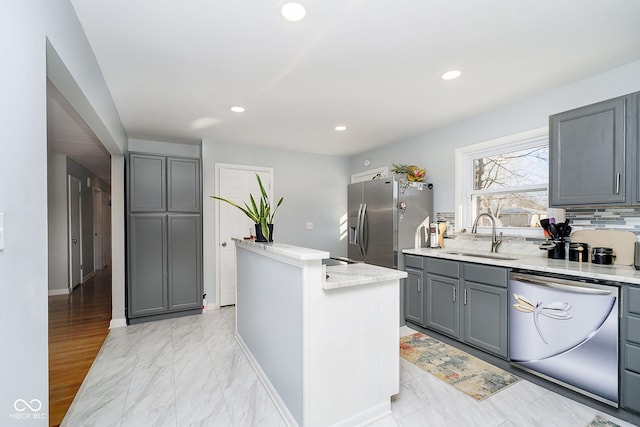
(467, 373)
(598, 421)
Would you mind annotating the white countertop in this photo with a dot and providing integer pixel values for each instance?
(617, 273)
(283, 249)
(342, 276)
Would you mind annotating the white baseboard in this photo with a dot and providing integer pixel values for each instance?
(271, 390)
(88, 276)
(117, 323)
(53, 292)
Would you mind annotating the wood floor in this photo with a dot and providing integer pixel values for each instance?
(78, 325)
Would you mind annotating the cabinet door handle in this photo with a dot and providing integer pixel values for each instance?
(465, 296)
(454, 294)
(618, 183)
(419, 286)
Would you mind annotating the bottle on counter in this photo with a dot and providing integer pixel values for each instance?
(433, 235)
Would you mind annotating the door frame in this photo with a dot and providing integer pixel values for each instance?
(69, 237)
(98, 232)
(218, 167)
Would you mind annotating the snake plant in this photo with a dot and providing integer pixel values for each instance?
(260, 213)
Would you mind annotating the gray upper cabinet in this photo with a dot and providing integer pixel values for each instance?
(633, 142)
(164, 237)
(183, 185)
(593, 154)
(147, 183)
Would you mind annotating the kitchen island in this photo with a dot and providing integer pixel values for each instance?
(324, 340)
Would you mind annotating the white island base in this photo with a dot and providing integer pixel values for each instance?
(326, 349)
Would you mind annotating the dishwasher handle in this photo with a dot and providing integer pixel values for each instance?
(564, 284)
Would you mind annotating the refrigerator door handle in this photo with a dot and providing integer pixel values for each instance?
(361, 233)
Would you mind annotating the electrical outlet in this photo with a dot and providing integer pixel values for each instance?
(309, 226)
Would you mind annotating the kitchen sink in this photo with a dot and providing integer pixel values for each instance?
(477, 255)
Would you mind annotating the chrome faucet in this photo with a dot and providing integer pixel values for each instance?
(495, 242)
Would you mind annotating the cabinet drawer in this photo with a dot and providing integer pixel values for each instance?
(632, 357)
(630, 390)
(633, 329)
(414, 261)
(496, 276)
(632, 299)
(443, 267)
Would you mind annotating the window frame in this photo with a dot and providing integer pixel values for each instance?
(464, 177)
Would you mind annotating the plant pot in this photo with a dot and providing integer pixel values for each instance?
(260, 237)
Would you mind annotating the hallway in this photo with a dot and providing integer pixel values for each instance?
(78, 325)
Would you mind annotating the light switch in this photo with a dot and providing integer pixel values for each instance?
(309, 226)
(1, 231)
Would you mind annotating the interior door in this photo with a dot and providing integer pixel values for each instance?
(235, 182)
(97, 230)
(75, 241)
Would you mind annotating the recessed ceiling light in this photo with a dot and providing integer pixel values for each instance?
(237, 109)
(340, 128)
(293, 11)
(450, 75)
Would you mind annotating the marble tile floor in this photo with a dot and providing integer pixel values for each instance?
(190, 372)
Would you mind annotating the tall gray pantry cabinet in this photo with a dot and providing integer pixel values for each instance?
(164, 237)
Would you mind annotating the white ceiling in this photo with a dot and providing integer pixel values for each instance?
(372, 65)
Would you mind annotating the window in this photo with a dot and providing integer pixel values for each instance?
(507, 178)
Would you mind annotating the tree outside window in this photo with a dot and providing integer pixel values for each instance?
(512, 186)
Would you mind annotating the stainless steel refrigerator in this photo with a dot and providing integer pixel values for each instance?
(386, 216)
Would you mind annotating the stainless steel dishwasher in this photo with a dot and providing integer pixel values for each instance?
(566, 330)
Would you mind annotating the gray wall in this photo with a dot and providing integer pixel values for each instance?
(164, 148)
(25, 28)
(435, 150)
(314, 188)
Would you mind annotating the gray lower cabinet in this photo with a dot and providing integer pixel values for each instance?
(593, 154)
(630, 349)
(414, 289)
(413, 296)
(184, 255)
(147, 265)
(164, 237)
(463, 300)
(442, 307)
(485, 307)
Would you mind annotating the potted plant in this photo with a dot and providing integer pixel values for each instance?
(412, 172)
(261, 213)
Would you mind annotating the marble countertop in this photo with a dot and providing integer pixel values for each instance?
(283, 249)
(616, 273)
(342, 276)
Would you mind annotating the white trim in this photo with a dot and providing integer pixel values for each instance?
(117, 323)
(88, 276)
(54, 292)
(462, 174)
(369, 174)
(216, 239)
